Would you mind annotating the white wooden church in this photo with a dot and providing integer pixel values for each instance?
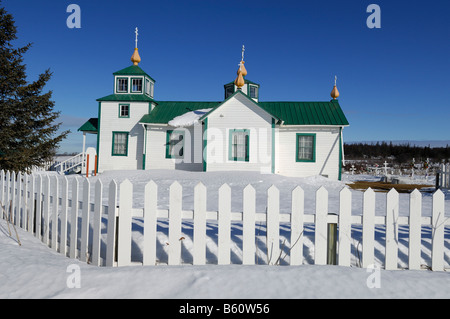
(135, 131)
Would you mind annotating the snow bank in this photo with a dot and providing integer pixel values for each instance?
(35, 271)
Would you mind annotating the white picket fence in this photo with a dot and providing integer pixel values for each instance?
(71, 224)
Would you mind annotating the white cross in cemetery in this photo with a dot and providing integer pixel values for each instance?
(353, 169)
(385, 168)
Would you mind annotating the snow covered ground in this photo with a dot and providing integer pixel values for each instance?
(34, 271)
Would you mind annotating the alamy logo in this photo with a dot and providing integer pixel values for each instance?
(374, 19)
(74, 279)
(74, 19)
(374, 279)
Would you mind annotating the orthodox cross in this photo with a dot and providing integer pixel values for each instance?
(136, 31)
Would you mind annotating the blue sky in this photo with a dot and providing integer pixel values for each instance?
(394, 81)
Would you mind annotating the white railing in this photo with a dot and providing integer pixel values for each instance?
(70, 163)
(147, 235)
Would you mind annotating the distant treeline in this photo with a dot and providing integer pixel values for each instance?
(403, 153)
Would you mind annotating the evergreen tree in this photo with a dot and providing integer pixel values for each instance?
(28, 132)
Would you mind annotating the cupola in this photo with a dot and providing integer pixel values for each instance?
(240, 83)
(133, 80)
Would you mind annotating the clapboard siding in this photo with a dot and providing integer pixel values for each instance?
(110, 122)
(239, 113)
(327, 152)
(156, 148)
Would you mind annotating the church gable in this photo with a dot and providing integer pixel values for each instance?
(239, 110)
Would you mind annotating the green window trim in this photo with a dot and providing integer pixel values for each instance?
(124, 113)
(114, 148)
(312, 159)
(132, 85)
(117, 84)
(232, 145)
(169, 142)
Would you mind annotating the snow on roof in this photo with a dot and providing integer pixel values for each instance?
(189, 118)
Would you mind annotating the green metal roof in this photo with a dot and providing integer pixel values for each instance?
(126, 98)
(90, 126)
(307, 113)
(132, 70)
(166, 111)
(291, 113)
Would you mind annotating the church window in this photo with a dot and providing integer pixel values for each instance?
(306, 147)
(122, 85)
(253, 91)
(136, 86)
(120, 144)
(175, 144)
(239, 147)
(229, 90)
(124, 110)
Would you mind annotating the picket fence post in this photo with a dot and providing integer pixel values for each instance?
(46, 210)
(368, 228)
(97, 230)
(297, 230)
(55, 218)
(112, 225)
(438, 225)
(320, 240)
(273, 225)
(74, 219)
(415, 229)
(150, 223)
(31, 204)
(248, 227)
(224, 228)
(85, 220)
(17, 218)
(345, 227)
(25, 201)
(392, 213)
(124, 225)
(64, 207)
(38, 216)
(175, 239)
(199, 249)
(12, 198)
